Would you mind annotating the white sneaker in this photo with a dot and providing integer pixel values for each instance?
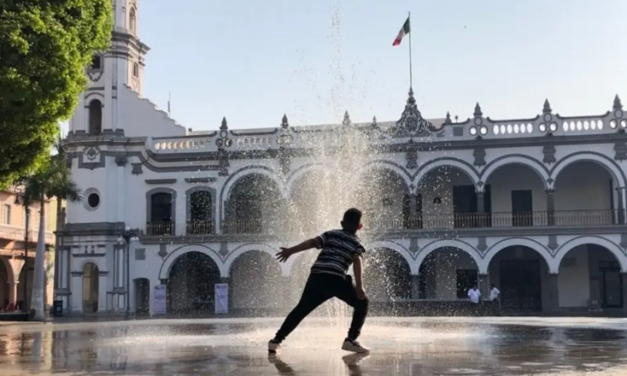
(354, 346)
(273, 346)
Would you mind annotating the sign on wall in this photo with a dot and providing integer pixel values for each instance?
(222, 298)
(159, 300)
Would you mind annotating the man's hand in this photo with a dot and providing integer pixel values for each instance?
(361, 293)
(284, 254)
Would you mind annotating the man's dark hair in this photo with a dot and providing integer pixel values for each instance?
(351, 220)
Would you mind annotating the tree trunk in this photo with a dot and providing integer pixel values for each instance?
(37, 298)
(57, 242)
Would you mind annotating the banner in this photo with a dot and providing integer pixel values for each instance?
(222, 298)
(159, 300)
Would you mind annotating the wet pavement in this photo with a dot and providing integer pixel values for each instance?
(401, 347)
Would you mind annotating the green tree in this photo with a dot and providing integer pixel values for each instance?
(52, 180)
(44, 49)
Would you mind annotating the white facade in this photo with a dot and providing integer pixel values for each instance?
(546, 195)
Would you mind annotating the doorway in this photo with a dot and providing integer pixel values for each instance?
(611, 288)
(521, 285)
(142, 296)
(90, 288)
(522, 208)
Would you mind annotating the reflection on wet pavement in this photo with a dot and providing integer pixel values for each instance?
(402, 347)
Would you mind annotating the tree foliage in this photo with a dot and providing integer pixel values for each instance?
(44, 49)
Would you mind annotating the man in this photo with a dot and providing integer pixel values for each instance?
(495, 294)
(328, 279)
(474, 295)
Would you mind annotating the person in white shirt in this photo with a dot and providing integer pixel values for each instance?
(474, 295)
(495, 294)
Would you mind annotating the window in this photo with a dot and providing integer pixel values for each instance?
(95, 117)
(96, 63)
(6, 214)
(466, 279)
(132, 20)
(93, 200)
(135, 70)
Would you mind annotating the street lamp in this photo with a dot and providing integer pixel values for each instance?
(20, 191)
(126, 238)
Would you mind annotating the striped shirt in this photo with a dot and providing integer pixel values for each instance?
(338, 248)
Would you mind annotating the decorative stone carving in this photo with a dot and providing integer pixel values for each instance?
(121, 160)
(224, 249)
(413, 245)
(549, 154)
(411, 123)
(91, 153)
(482, 246)
(224, 141)
(552, 244)
(284, 160)
(223, 162)
(200, 180)
(163, 252)
(137, 169)
(411, 156)
(347, 119)
(623, 241)
(479, 154)
(620, 149)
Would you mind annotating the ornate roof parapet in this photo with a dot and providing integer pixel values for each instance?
(224, 140)
(285, 137)
(347, 119)
(546, 109)
(617, 104)
(448, 121)
(478, 112)
(411, 123)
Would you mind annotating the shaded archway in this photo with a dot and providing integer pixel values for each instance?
(315, 203)
(515, 196)
(254, 206)
(388, 275)
(25, 287)
(191, 283)
(256, 278)
(521, 274)
(590, 275)
(384, 198)
(91, 288)
(447, 273)
(142, 295)
(586, 195)
(5, 279)
(447, 199)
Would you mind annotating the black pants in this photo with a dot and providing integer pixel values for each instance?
(320, 288)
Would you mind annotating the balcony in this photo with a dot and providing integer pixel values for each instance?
(480, 222)
(14, 233)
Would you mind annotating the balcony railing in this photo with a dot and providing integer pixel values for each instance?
(422, 221)
(160, 228)
(199, 228)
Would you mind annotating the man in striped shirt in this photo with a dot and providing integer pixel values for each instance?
(328, 279)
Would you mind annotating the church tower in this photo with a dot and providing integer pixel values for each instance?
(122, 65)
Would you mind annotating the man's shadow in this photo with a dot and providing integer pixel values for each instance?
(352, 362)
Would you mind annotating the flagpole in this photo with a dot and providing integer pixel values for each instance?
(411, 77)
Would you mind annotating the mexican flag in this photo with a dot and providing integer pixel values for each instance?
(404, 31)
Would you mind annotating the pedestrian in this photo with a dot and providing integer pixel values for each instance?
(495, 301)
(328, 279)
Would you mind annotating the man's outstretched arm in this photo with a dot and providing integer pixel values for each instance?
(285, 253)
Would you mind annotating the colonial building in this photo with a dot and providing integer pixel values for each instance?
(18, 242)
(535, 206)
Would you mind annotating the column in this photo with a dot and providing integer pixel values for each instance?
(415, 286)
(554, 297)
(624, 291)
(550, 207)
(228, 280)
(620, 218)
(13, 292)
(483, 286)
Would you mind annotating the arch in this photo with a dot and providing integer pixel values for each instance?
(10, 274)
(461, 165)
(300, 173)
(133, 20)
(389, 275)
(255, 277)
(413, 267)
(170, 259)
(163, 226)
(95, 116)
(604, 161)
(270, 250)
(458, 244)
(191, 283)
(612, 247)
(212, 212)
(518, 159)
(520, 242)
(227, 188)
(390, 166)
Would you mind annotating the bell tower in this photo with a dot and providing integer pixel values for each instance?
(119, 68)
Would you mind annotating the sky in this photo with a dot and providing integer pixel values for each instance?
(253, 61)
